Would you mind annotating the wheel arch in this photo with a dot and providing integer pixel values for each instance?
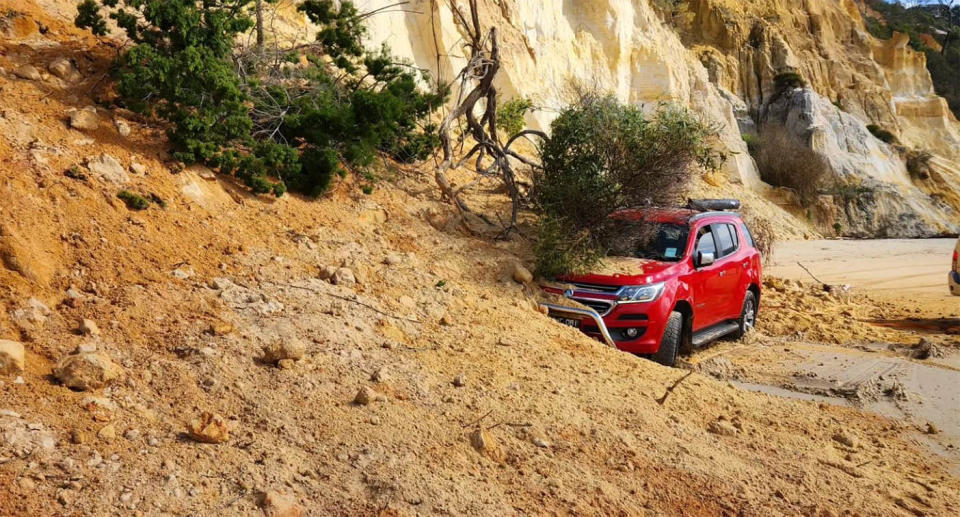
(686, 309)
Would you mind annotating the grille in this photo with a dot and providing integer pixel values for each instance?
(597, 288)
(602, 307)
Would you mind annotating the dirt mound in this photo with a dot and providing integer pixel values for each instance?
(475, 403)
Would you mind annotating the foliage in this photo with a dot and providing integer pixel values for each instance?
(786, 80)
(762, 230)
(604, 156)
(918, 163)
(261, 117)
(882, 134)
(942, 23)
(752, 141)
(511, 115)
(133, 201)
(785, 161)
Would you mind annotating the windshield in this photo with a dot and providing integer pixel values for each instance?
(665, 242)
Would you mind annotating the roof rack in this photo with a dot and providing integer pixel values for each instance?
(713, 205)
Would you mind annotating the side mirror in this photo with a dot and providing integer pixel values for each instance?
(705, 259)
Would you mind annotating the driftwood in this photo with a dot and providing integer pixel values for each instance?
(476, 84)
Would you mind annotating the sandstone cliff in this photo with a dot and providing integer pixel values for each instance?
(722, 57)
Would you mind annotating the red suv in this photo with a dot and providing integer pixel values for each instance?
(681, 278)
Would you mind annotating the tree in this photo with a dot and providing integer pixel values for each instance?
(604, 156)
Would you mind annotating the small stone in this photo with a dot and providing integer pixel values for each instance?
(845, 438)
(722, 427)
(131, 434)
(89, 328)
(220, 328)
(393, 259)
(108, 169)
(932, 428)
(277, 504)
(107, 433)
(85, 119)
(64, 69)
(540, 441)
(122, 127)
(378, 375)
(208, 428)
(446, 320)
(101, 408)
(327, 272)
(138, 168)
(460, 380)
(484, 443)
(521, 275)
(28, 71)
(343, 276)
(286, 364)
(407, 302)
(11, 357)
(79, 437)
(291, 349)
(67, 497)
(87, 371)
(364, 396)
(84, 348)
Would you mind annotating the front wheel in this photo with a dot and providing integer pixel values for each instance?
(748, 316)
(667, 354)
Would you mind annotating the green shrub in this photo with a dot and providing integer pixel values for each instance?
(918, 163)
(272, 125)
(510, 115)
(604, 156)
(753, 143)
(133, 201)
(787, 80)
(785, 161)
(882, 134)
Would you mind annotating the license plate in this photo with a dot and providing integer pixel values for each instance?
(569, 322)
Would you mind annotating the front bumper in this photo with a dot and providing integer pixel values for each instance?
(648, 320)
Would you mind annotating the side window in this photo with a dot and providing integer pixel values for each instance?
(725, 241)
(705, 242)
(747, 235)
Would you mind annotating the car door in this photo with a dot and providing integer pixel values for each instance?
(705, 281)
(727, 295)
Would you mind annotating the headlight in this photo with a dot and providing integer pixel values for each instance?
(641, 293)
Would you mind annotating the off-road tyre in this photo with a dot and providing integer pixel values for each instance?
(748, 316)
(670, 343)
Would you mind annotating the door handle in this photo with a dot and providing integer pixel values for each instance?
(723, 273)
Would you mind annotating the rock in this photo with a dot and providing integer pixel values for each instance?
(108, 169)
(364, 396)
(85, 119)
(932, 428)
(460, 380)
(123, 127)
(926, 349)
(89, 328)
(327, 272)
(393, 259)
(101, 408)
(378, 375)
(138, 168)
(220, 328)
(11, 357)
(208, 428)
(845, 438)
(540, 441)
(28, 71)
(343, 276)
(277, 504)
(86, 371)
(292, 349)
(107, 433)
(78, 437)
(131, 435)
(722, 427)
(521, 275)
(64, 69)
(484, 443)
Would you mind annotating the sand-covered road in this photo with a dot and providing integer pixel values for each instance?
(911, 269)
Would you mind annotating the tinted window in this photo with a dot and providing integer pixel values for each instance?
(747, 235)
(726, 241)
(648, 240)
(705, 243)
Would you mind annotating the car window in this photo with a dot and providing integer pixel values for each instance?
(747, 235)
(726, 241)
(705, 242)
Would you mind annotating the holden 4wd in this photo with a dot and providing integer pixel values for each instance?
(676, 279)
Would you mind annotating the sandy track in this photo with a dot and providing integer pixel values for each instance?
(902, 269)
